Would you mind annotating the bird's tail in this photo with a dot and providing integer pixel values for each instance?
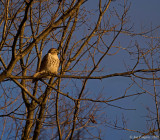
(35, 77)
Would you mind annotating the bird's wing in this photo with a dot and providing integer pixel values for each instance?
(44, 62)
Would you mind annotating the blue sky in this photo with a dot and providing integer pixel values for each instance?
(144, 14)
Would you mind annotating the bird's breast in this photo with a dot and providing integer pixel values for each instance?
(53, 64)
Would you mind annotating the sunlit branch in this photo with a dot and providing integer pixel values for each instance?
(125, 74)
(26, 91)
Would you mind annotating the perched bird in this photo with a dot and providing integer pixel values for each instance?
(49, 65)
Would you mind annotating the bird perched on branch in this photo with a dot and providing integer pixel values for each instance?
(49, 65)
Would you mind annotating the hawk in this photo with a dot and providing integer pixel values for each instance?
(49, 64)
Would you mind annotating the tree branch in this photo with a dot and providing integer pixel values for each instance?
(125, 74)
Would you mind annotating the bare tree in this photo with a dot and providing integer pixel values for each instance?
(66, 106)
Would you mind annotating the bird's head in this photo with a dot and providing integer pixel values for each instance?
(53, 51)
